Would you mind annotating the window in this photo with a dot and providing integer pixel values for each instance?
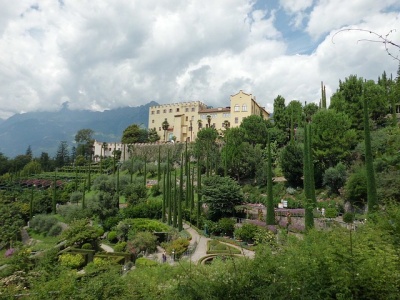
(152, 121)
(152, 112)
(244, 107)
(186, 109)
(177, 110)
(164, 111)
(159, 128)
(236, 120)
(237, 107)
(187, 118)
(193, 108)
(170, 110)
(158, 112)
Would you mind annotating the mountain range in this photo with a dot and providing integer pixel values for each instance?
(43, 131)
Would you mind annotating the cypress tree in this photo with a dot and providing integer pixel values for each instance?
(54, 206)
(372, 197)
(169, 191)
(83, 195)
(145, 171)
(198, 192)
(159, 165)
(175, 207)
(309, 218)
(164, 196)
(270, 218)
(180, 226)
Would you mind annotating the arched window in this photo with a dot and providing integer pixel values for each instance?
(237, 107)
(244, 107)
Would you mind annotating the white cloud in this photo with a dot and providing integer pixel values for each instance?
(99, 55)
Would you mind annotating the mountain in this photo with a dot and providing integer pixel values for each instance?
(44, 131)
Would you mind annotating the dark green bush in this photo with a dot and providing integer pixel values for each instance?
(55, 230)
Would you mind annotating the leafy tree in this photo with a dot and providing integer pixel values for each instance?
(349, 99)
(145, 241)
(134, 134)
(333, 137)
(291, 160)
(135, 192)
(205, 145)
(80, 232)
(84, 139)
(255, 130)
(309, 110)
(4, 164)
(356, 187)
(153, 135)
(33, 167)
(335, 178)
(221, 194)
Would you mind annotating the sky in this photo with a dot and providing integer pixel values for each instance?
(100, 55)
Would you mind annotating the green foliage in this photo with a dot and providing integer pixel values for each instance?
(145, 241)
(246, 232)
(215, 246)
(11, 222)
(135, 193)
(43, 223)
(226, 226)
(332, 137)
(255, 130)
(348, 217)
(143, 262)
(80, 232)
(134, 134)
(70, 260)
(356, 187)
(120, 247)
(221, 194)
(129, 227)
(75, 197)
(33, 167)
(335, 178)
(176, 247)
(149, 209)
(291, 161)
(87, 246)
(155, 190)
(331, 212)
(112, 236)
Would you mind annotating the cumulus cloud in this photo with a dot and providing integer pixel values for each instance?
(100, 54)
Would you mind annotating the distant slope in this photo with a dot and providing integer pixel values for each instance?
(44, 131)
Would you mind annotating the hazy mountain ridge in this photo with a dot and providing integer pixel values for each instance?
(44, 131)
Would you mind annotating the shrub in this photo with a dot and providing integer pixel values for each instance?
(112, 236)
(72, 261)
(55, 230)
(43, 223)
(226, 226)
(120, 247)
(150, 209)
(263, 236)
(87, 246)
(155, 190)
(178, 247)
(247, 232)
(331, 212)
(145, 262)
(145, 241)
(348, 217)
(335, 178)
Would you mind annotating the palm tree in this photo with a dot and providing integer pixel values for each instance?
(209, 120)
(227, 124)
(165, 126)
